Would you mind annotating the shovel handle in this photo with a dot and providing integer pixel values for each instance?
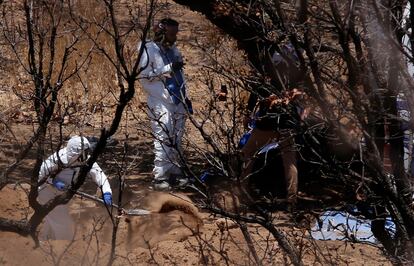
(130, 212)
(88, 196)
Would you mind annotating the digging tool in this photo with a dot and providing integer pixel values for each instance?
(131, 212)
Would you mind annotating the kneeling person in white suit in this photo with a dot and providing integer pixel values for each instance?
(60, 169)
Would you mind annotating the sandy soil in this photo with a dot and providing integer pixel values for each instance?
(177, 233)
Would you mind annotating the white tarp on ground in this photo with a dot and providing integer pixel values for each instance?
(340, 225)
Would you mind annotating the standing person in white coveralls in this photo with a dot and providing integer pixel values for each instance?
(163, 81)
(59, 171)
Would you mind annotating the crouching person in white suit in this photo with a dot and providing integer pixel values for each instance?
(59, 170)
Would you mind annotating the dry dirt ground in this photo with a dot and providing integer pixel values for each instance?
(177, 233)
(170, 236)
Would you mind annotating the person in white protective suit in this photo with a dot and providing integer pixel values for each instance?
(168, 105)
(59, 170)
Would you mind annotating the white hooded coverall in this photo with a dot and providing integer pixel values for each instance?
(58, 223)
(167, 116)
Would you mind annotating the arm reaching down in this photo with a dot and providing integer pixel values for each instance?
(100, 178)
(52, 165)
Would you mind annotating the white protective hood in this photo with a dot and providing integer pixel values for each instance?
(76, 145)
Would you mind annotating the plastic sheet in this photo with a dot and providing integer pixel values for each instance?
(341, 225)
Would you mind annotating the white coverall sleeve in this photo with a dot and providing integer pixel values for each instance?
(100, 178)
(49, 167)
(151, 64)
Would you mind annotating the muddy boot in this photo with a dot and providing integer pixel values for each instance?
(291, 203)
(180, 181)
(291, 207)
(162, 186)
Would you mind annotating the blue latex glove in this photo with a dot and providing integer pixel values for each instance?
(107, 198)
(244, 139)
(59, 185)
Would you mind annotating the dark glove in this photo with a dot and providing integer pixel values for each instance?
(59, 185)
(176, 66)
(189, 105)
(107, 198)
(222, 95)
